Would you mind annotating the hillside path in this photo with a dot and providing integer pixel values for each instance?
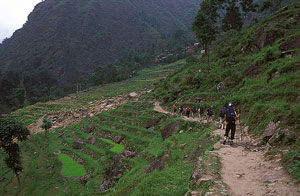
(158, 108)
(246, 170)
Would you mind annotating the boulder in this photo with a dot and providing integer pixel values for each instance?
(298, 100)
(117, 139)
(290, 135)
(76, 115)
(91, 140)
(158, 164)
(266, 37)
(151, 123)
(270, 131)
(250, 71)
(221, 87)
(77, 145)
(290, 44)
(84, 179)
(129, 154)
(203, 180)
(132, 95)
(114, 173)
(169, 130)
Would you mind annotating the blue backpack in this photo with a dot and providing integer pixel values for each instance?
(230, 114)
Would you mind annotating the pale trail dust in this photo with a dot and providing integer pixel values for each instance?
(246, 170)
(158, 108)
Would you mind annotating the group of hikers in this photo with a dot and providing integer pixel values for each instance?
(227, 117)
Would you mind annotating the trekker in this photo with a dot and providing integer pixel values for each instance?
(194, 110)
(188, 110)
(222, 117)
(230, 116)
(181, 110)
(174, 109)
(209, 114)
(201, 111)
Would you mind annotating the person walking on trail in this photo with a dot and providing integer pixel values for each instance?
(194, 110)
(209, 114)
(201, 111)
(230, 116)
(188, 110)
(222, 117)
(181, 110)
(174, 109)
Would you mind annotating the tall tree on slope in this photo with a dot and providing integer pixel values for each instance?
(205, 24)
(11, 132)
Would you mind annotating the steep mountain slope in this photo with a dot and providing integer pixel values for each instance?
(70, 38)
(258, 70)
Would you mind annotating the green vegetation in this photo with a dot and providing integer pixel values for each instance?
(118, 148)
(70, 167)
(45, 173)
(261, 77)
(10, 131)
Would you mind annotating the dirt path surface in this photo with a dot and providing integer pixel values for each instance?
(246, 169)
(158, 108)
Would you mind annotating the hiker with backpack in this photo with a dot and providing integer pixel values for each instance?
(230, 117)
(181, 110)
(194, 110)
(174, 109)
(209, 114)
(188, 110)
(201, 111)
(222, 117)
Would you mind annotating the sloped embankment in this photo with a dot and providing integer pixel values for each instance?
(258, 70)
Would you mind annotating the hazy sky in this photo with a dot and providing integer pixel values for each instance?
(13, 14)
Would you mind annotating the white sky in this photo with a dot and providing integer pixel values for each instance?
(13, 14)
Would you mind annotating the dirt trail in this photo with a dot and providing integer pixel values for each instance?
(158, 108)
(246, 170)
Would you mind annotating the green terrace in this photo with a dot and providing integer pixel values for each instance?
(54, 166)
(145, 78)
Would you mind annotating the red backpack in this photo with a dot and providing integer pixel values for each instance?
(188, 108)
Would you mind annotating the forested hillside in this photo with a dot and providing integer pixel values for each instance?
(65, 41)
(70, 38)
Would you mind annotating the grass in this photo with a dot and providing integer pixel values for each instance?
(118, 148)
(71, 167)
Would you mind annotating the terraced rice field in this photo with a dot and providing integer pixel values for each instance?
(102, 138)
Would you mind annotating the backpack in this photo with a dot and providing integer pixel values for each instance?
(230, 114)
(194, 109)
(201, 110)
(188, 108)
(209, 112)
(222, 112)
(181, 109)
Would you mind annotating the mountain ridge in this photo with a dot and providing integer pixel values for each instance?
(72, 38)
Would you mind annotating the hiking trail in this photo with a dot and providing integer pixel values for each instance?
(246, 169)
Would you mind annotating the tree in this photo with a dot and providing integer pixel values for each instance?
(12, 131)
(47, 124)
(205, 24)
(272, 6)
(233, 11)
(232, 18)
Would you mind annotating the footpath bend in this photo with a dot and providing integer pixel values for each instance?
(246, 169)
